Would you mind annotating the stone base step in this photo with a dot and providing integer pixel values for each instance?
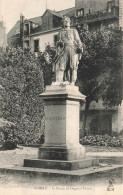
(58, 175)
(61, 165)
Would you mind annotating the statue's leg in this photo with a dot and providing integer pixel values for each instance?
(74, 76)
(70, 75)
(74, 69)
(61, 74)
(64, 77)
(59, 77)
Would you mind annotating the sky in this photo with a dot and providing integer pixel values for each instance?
(10, 10)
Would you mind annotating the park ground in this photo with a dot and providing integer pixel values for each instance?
(89, 186)
(16, 156)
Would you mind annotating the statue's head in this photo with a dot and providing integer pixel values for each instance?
(65, 21)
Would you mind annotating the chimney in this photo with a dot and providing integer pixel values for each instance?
(21, 18)
(21, 30)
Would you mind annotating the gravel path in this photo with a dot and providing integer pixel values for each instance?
(15, 157)
(102, 149)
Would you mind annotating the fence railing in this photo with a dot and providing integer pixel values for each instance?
(100, 15)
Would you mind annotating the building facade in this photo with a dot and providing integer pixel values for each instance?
(102, 120)
(97, 13)
(38, 32)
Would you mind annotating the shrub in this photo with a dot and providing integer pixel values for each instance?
(102, 140)
(21, 78)
(10, 144)
(9, 139)
(121, 132)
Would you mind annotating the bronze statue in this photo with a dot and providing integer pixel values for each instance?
(69, 52)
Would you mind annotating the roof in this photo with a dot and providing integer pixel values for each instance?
(36, 20)
(69, 11)
(14, 29)
(53, 13)
(15, 36)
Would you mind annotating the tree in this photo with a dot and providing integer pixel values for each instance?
(100, 70)
(46, 59)
(21, 77)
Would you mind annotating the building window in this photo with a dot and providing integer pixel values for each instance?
(109, 6)
(80, 12)
(55, 39)
(36, 45)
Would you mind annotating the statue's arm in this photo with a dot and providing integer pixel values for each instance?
(77, 39)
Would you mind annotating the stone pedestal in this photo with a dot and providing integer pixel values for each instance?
(62, 104)
(61, 149)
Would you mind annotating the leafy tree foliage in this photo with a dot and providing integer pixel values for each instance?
(21, 77)
(8, 138)
(100, 70)
(46, 59)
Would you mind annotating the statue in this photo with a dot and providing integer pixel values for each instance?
(69, 52)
